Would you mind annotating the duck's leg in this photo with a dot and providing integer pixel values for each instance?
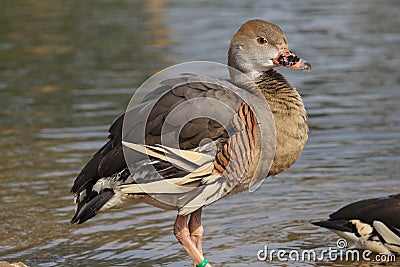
(181, 232)
(196, 230)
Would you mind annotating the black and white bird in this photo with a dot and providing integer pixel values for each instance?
(372, 224)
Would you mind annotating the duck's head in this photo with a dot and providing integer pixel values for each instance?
(259, 46)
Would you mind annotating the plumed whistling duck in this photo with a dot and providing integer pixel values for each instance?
(107, 181)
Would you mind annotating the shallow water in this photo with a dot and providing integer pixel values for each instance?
(67, 69)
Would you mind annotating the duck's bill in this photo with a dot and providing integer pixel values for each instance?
(289, 60)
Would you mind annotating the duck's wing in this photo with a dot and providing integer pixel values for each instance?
(384, 209)
(368, 224)
(390, 236)
(214, 177)
(110, 160)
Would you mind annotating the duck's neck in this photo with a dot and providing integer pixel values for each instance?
(290, 118)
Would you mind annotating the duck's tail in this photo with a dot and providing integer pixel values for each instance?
(97, 197)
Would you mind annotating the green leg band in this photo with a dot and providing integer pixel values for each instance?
(202, 263)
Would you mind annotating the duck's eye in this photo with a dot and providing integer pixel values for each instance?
(262, 40)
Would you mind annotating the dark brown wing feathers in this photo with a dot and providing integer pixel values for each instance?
(110, 159)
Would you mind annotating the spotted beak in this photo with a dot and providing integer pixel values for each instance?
(288, 59)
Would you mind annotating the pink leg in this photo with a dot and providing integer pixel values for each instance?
(196, 230)
(182, 233)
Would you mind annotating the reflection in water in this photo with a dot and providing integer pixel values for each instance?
(68, 69)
